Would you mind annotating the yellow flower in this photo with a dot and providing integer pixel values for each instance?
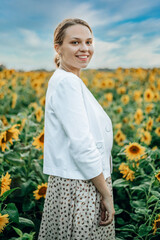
(149, 108)
(39, 114)
(157, 131)
(148, 95)
(146, 137)
(5, 183)
(158, 119)
(149, 124)
(109, 97)
(22, 124)
(154, 148)
(158, 176)
(118, 125)
(137, 95)
(42, 101)
(3, 221)
(125, 99)
(8, 135)
(138, 116)
(156, 224)
(39, 141)
(119, 109)
(134, 151)
(120, 137)
(41, 191)
(121, 90)
(14, 100)
(156, 96)
(126, 171)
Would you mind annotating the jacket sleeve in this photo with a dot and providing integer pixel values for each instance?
(68, 104)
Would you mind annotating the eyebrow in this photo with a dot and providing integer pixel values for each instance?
(79, 38)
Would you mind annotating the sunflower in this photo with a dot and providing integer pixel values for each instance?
(148, 95)
(120, 137)
(134, 151)
(39, 114)
(14, 100)
(158, 176)
(138, 116)
(3, 221)
(149, 124)
(42, 101)
(39, 141)
(156, 96)
(125, 99)
(8, 135)
(137, 95)
(119, 109)
(109, 97)
(158, 119)
(41, 191)
(126, 171)
(5, 183)
(146, 137)
(121, 90)
(22, 124)
(154, 148)
(157, 131)
(156, 224)
(118, 125)
(149, 108)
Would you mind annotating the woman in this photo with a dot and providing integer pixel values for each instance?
(77, 146)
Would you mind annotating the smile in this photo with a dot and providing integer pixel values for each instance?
(82, 57)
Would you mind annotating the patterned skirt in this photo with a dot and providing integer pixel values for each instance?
(72, 211)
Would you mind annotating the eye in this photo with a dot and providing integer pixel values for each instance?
(89, 42)
(75, 42)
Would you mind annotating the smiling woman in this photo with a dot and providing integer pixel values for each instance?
(77, 146)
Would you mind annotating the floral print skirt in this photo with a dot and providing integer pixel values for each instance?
(72, 211)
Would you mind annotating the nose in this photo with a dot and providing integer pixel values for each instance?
(83, 47)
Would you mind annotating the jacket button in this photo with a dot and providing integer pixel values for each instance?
(107, 129)
(99, 145)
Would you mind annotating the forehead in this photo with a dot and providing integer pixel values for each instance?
(78, 31)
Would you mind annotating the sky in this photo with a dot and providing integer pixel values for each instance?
(126, 32)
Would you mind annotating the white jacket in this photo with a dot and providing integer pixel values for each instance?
(78, 134)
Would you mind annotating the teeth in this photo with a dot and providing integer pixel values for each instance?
(82, 56)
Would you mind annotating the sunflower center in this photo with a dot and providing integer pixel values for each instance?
(134, 149)
(41, 139)
(42, 191)
(158, 224)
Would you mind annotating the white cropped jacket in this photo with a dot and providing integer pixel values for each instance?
(78, 134)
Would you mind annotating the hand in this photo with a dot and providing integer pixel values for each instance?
(107, 211)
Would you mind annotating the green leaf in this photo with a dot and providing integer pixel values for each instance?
(28, 205)
(152, 199)
(26, 222)
(18, 231)
(144, 230)
(120, 183)
(12, 211)
(138, 203)
(127, 228)
(120, 221)
(118, 211)
(14, 158)
(7, 193)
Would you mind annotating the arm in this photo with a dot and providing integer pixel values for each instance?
(68, 104)
(106, 200)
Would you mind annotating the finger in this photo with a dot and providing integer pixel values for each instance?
(107, 222)
(103, 215)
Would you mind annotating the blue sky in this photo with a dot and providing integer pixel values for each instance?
(126, 32)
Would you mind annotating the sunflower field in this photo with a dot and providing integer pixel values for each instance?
(131, 98)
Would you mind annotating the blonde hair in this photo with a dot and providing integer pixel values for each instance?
(59, 33)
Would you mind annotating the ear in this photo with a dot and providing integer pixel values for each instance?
(57, 48)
